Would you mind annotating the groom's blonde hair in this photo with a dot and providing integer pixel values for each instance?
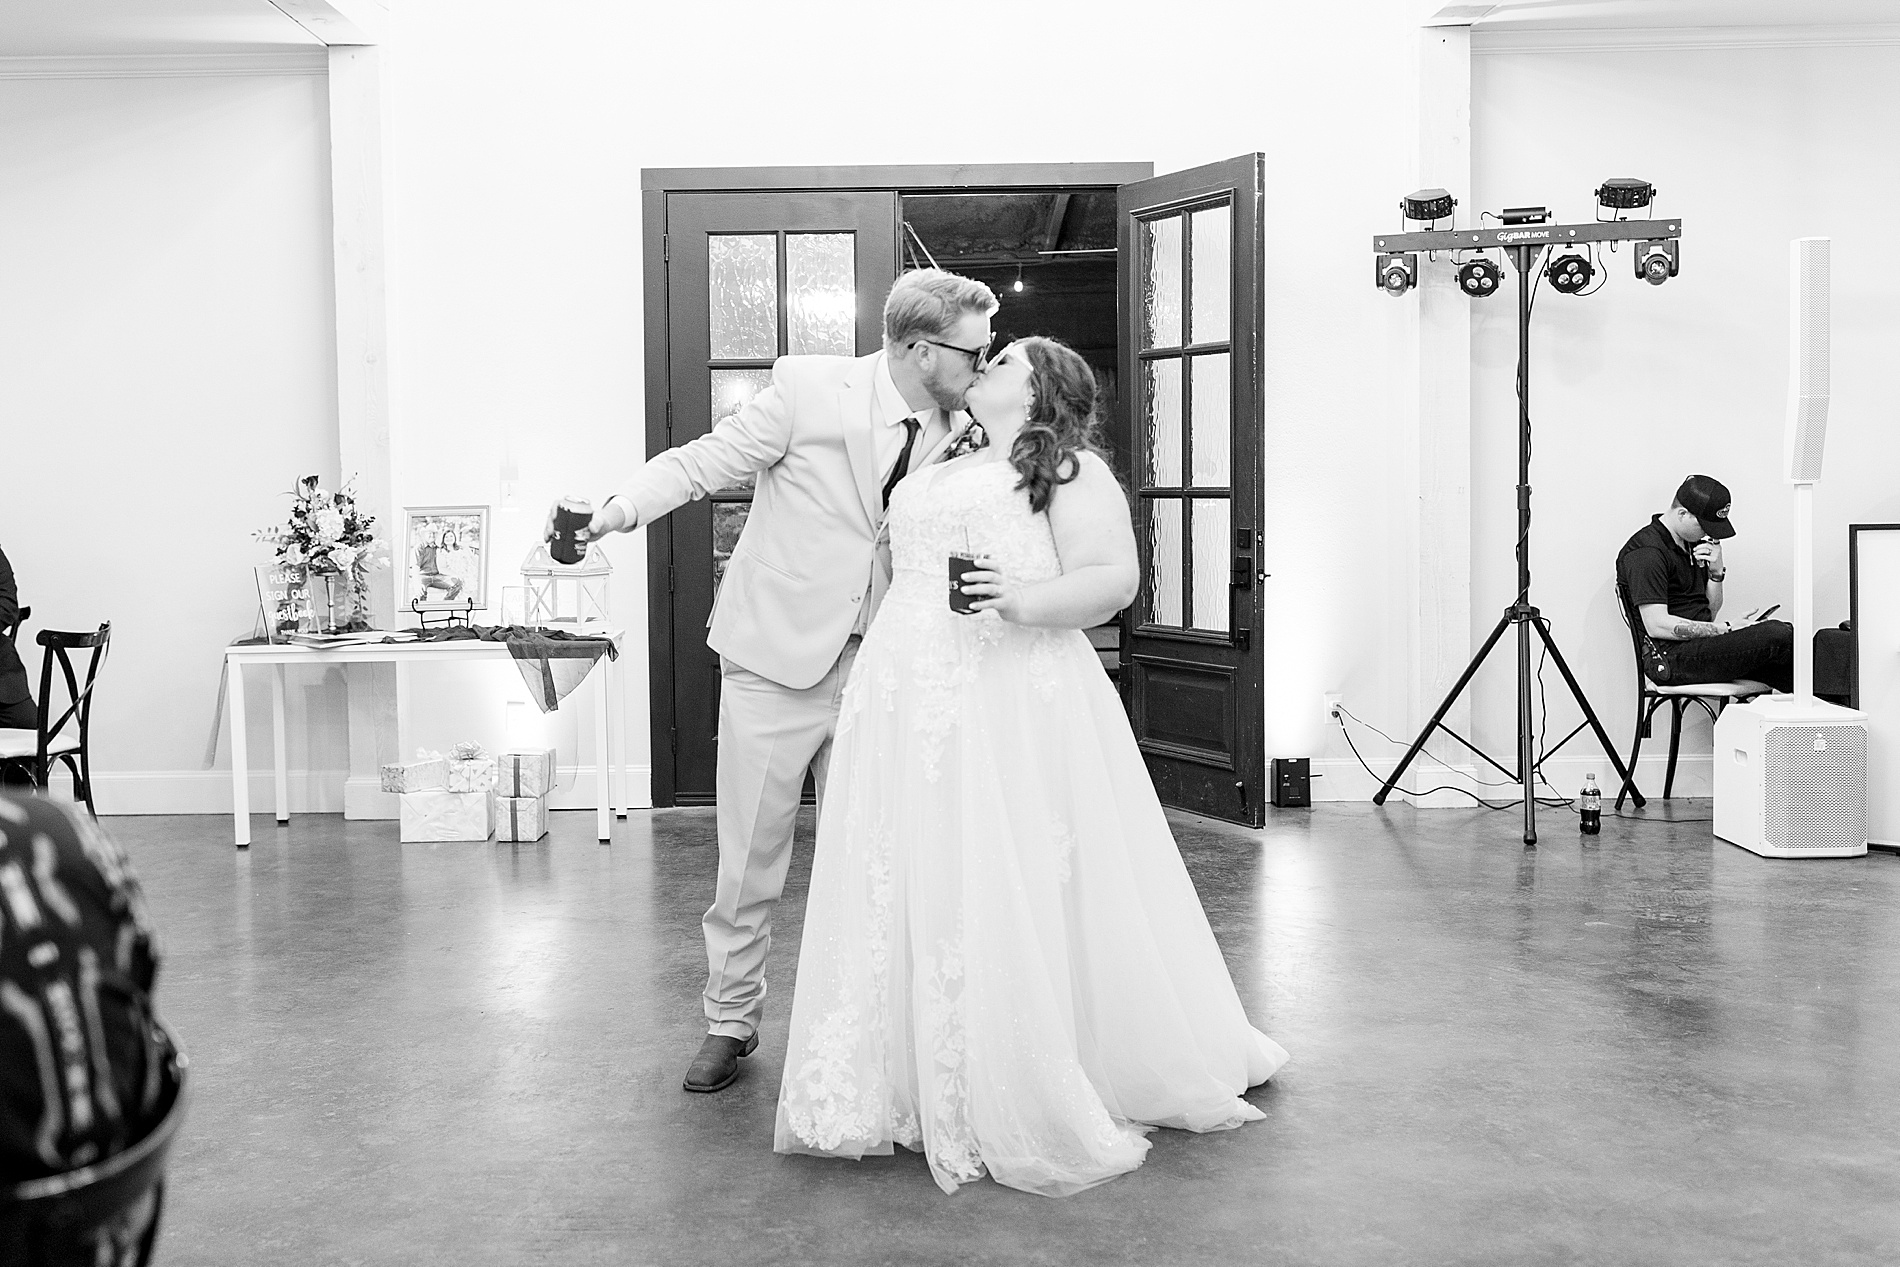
(927, 303)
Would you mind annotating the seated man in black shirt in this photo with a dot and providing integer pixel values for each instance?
(17, 709)
(1672, 574)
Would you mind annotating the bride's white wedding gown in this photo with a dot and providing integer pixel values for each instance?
(1004, 963)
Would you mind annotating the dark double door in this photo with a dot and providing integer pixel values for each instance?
(750, 275)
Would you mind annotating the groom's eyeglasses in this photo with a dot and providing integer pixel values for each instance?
(979, 357)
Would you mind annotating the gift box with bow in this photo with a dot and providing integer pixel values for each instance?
(471, 769)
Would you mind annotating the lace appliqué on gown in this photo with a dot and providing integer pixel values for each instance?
(994, 877)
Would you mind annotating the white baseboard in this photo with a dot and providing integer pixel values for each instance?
(207, 791)
(331, 792)
(1346, 780)
(309, 792)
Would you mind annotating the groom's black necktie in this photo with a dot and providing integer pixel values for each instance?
(902, 468)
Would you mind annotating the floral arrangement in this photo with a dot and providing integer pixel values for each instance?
(328, 536)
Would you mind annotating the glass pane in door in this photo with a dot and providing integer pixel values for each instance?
(1213, 431)
(742, 280)
(1161, 401)
(1212, 574)
(1212, 282)
(728, 519)
(1161, 282)
(821, 294)
(1164, 563)
(733, 390)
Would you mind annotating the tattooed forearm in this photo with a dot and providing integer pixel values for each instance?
(1695, 629)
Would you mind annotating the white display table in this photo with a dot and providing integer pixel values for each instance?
(609, 740)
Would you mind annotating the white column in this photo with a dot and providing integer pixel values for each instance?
(362, 389)
(1441, 643)
(362, 337)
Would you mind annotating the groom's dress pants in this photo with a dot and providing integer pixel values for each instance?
(769, 735)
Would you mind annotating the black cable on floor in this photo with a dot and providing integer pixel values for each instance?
(1443, 787)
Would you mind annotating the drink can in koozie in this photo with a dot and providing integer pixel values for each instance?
(571, 515)
(959, 565)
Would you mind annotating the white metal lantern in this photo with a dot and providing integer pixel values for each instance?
(560, 593)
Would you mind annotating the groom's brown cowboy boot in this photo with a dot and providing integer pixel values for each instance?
(717, 1063)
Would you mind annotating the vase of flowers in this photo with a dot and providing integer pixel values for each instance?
(330, 539)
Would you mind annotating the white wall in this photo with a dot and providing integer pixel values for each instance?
(516, 280)
(175, 301)
(166, 372)
(1637, 386)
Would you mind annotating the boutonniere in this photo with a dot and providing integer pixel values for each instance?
(972, 438)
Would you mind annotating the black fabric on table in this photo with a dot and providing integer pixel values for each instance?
(552, 661)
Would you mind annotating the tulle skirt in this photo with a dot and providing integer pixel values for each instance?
(1005, 965)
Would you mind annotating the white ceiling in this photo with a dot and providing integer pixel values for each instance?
(94, 28)
(1601, 15)
(115, 28)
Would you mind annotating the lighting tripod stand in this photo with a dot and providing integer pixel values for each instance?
(1523, 242)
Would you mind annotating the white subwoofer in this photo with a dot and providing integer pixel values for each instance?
(1791, 778)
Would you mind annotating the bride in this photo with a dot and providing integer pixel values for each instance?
(1005, 965)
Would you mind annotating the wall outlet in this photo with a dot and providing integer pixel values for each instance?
(1332, 706)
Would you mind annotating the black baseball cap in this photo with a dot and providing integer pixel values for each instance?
(1707, 499)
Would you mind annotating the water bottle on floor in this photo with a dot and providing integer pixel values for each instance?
(1590, 807)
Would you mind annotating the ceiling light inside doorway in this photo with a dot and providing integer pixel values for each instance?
(1018, 287)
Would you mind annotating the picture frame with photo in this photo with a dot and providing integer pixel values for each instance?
(445, 558)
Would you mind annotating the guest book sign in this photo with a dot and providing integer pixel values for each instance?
(283, 601)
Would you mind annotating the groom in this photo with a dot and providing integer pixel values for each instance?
(829, 440)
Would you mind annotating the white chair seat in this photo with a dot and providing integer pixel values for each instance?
(26, 743)
(1712, 690)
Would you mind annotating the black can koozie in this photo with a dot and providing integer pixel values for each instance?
(959, 601)
(571, 515)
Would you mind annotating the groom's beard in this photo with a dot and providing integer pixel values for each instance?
(944, 396)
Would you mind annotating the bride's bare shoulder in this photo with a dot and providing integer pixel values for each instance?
(1094, 473)
(1094, 490)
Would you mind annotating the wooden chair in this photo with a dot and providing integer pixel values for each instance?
(1712, 696)
(69, 737)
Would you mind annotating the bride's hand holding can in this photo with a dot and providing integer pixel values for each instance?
(991, 590)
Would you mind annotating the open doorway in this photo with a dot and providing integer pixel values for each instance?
(1155, 280)
(1050, 256)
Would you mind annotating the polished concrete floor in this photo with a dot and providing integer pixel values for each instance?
(1652, 1048)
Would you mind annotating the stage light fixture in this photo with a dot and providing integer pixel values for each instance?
(1396, 273)
(1480, 278)
(1525, 215)
(1570, 272)
(1625, 193)
(1427, 204)
(1658, 260)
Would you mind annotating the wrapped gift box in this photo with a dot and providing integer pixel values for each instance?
(444, 815)
(431, 773)
(471, 774)
(526, 772)
(520, 817)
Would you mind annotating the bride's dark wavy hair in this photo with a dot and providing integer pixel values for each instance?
(1062, 422)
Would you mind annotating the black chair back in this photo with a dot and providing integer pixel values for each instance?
(12, 632)
(59, 645)
(65, 1218)
(1633, 621)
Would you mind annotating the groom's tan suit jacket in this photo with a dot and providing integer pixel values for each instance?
(808, 569)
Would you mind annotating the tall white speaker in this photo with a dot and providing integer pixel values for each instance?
(1791, 770)
(1808, 375)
